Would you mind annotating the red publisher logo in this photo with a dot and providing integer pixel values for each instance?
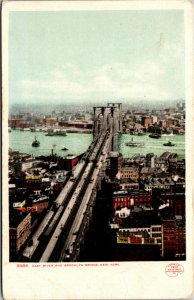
(174, 269)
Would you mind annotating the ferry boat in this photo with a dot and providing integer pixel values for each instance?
(50, 133)
(59, 132)
(169, 144)
(134, 144)
(155, 135)
(35, 143)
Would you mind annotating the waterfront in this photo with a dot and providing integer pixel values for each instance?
(77, 143)
(152, 145)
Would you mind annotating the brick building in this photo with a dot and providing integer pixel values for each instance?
(128, 184)
(147, 121)
(50, 121)
(128, 198)
(143, 236)
(68, 162)
(174, 238)
(130, 172)
(176, 202)
(40, 205)
(13, 123)
(19, 231)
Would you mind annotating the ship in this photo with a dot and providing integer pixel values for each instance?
(35, 143)
(134, 144)
(59, 132)
(169, 144)
(139, 133)
(50, 133)
(64, 149)
(155, 135)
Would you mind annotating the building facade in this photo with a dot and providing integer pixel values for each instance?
(19, 231)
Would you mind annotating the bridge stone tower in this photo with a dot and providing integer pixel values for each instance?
(98, 119)
(104, 117)
(118, 108)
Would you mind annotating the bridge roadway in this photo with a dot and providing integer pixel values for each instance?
(69, 207)
(71, 248)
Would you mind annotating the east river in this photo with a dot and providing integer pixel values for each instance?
(77, 143)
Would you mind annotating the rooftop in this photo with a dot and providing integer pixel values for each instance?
(113, 154)
(127, 180)
(129, 193)
(16, 217)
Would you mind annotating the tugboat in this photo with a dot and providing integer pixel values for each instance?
(155, 135)
(64, 149)
(35, 143)
(134, 144)
(169, 144)
(140, 133)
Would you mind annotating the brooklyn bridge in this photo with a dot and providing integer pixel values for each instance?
(61, 234)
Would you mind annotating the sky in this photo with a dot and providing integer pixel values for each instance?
(71, 56)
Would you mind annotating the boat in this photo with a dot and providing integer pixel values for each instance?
(50, 133)
(155, 135)
(9, 129)
(35, 143)
(59, 132)
(64, 149)
(169, 144)
(140, 133)
(134, 144)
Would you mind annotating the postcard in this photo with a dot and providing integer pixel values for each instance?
(97, 101)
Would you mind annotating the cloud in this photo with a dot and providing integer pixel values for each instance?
(113, 81)
(168, 50)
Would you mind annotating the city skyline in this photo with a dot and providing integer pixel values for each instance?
(72, 56)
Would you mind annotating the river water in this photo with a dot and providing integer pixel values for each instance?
(77, 143)
(152, 145)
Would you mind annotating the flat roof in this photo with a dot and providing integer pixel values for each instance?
(16, 217)
(129, 193)
(113, 154)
